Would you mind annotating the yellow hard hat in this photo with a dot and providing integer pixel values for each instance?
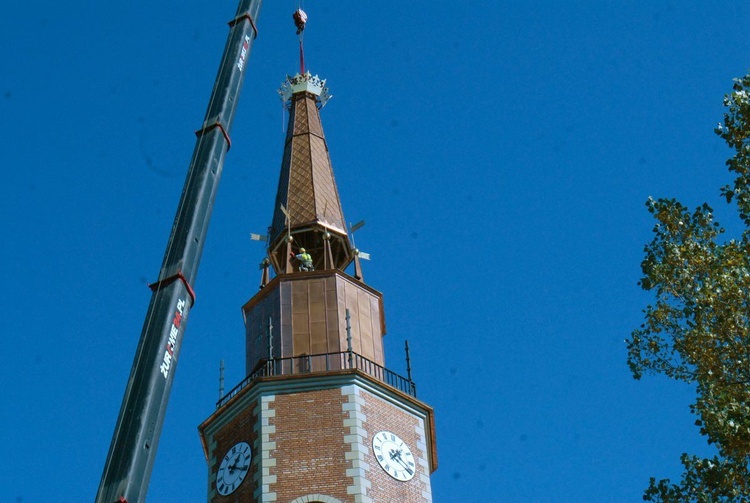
(302, 250)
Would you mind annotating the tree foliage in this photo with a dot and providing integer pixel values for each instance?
(698, 329)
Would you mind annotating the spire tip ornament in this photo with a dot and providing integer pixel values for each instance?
(304, 82)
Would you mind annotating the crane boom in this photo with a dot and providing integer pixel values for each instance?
(133, 449)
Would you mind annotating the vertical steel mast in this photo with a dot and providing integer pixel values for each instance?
(136, 436)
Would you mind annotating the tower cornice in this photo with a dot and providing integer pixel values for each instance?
(272, 284)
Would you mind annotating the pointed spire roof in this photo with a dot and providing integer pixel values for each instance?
(307, 201)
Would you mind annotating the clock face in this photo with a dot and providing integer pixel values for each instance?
(393, 455)
(233, 468)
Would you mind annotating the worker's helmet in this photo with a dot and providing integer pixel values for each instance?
(302, 250)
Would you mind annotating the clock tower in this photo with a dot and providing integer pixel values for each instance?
(319, 417)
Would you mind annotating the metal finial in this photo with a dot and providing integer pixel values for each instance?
(270, 338)
(408, 370)
(349, 338)
(221, 379)
(264, 277)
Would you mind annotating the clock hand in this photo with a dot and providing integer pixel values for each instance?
(233, 466)
(396, 456)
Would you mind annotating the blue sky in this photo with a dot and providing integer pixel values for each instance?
(501, 154)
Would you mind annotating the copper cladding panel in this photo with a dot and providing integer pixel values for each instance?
(256, 326)
(327, 201)
(306, 184)
(311, 317)
(307, 116)
(301, 196)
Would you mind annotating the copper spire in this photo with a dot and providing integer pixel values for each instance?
(307, 188)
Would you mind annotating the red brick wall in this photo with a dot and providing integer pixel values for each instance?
(307, 452)
(239, 429)
(310, 445)
(384, 416)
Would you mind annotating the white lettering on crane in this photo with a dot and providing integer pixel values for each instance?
(174, 330)
(243, 53)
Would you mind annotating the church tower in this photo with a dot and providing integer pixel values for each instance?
(319, 417)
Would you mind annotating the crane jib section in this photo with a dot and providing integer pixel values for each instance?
(130, 460)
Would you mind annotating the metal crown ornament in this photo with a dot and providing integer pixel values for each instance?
(305, 82)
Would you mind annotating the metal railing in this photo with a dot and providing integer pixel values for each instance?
(306, 364)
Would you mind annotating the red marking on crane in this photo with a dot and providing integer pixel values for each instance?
(206, 129)
(168, 281)
(242, 17)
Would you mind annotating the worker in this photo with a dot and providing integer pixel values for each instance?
(305, 260)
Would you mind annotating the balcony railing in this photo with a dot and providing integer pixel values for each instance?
(307, 364)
